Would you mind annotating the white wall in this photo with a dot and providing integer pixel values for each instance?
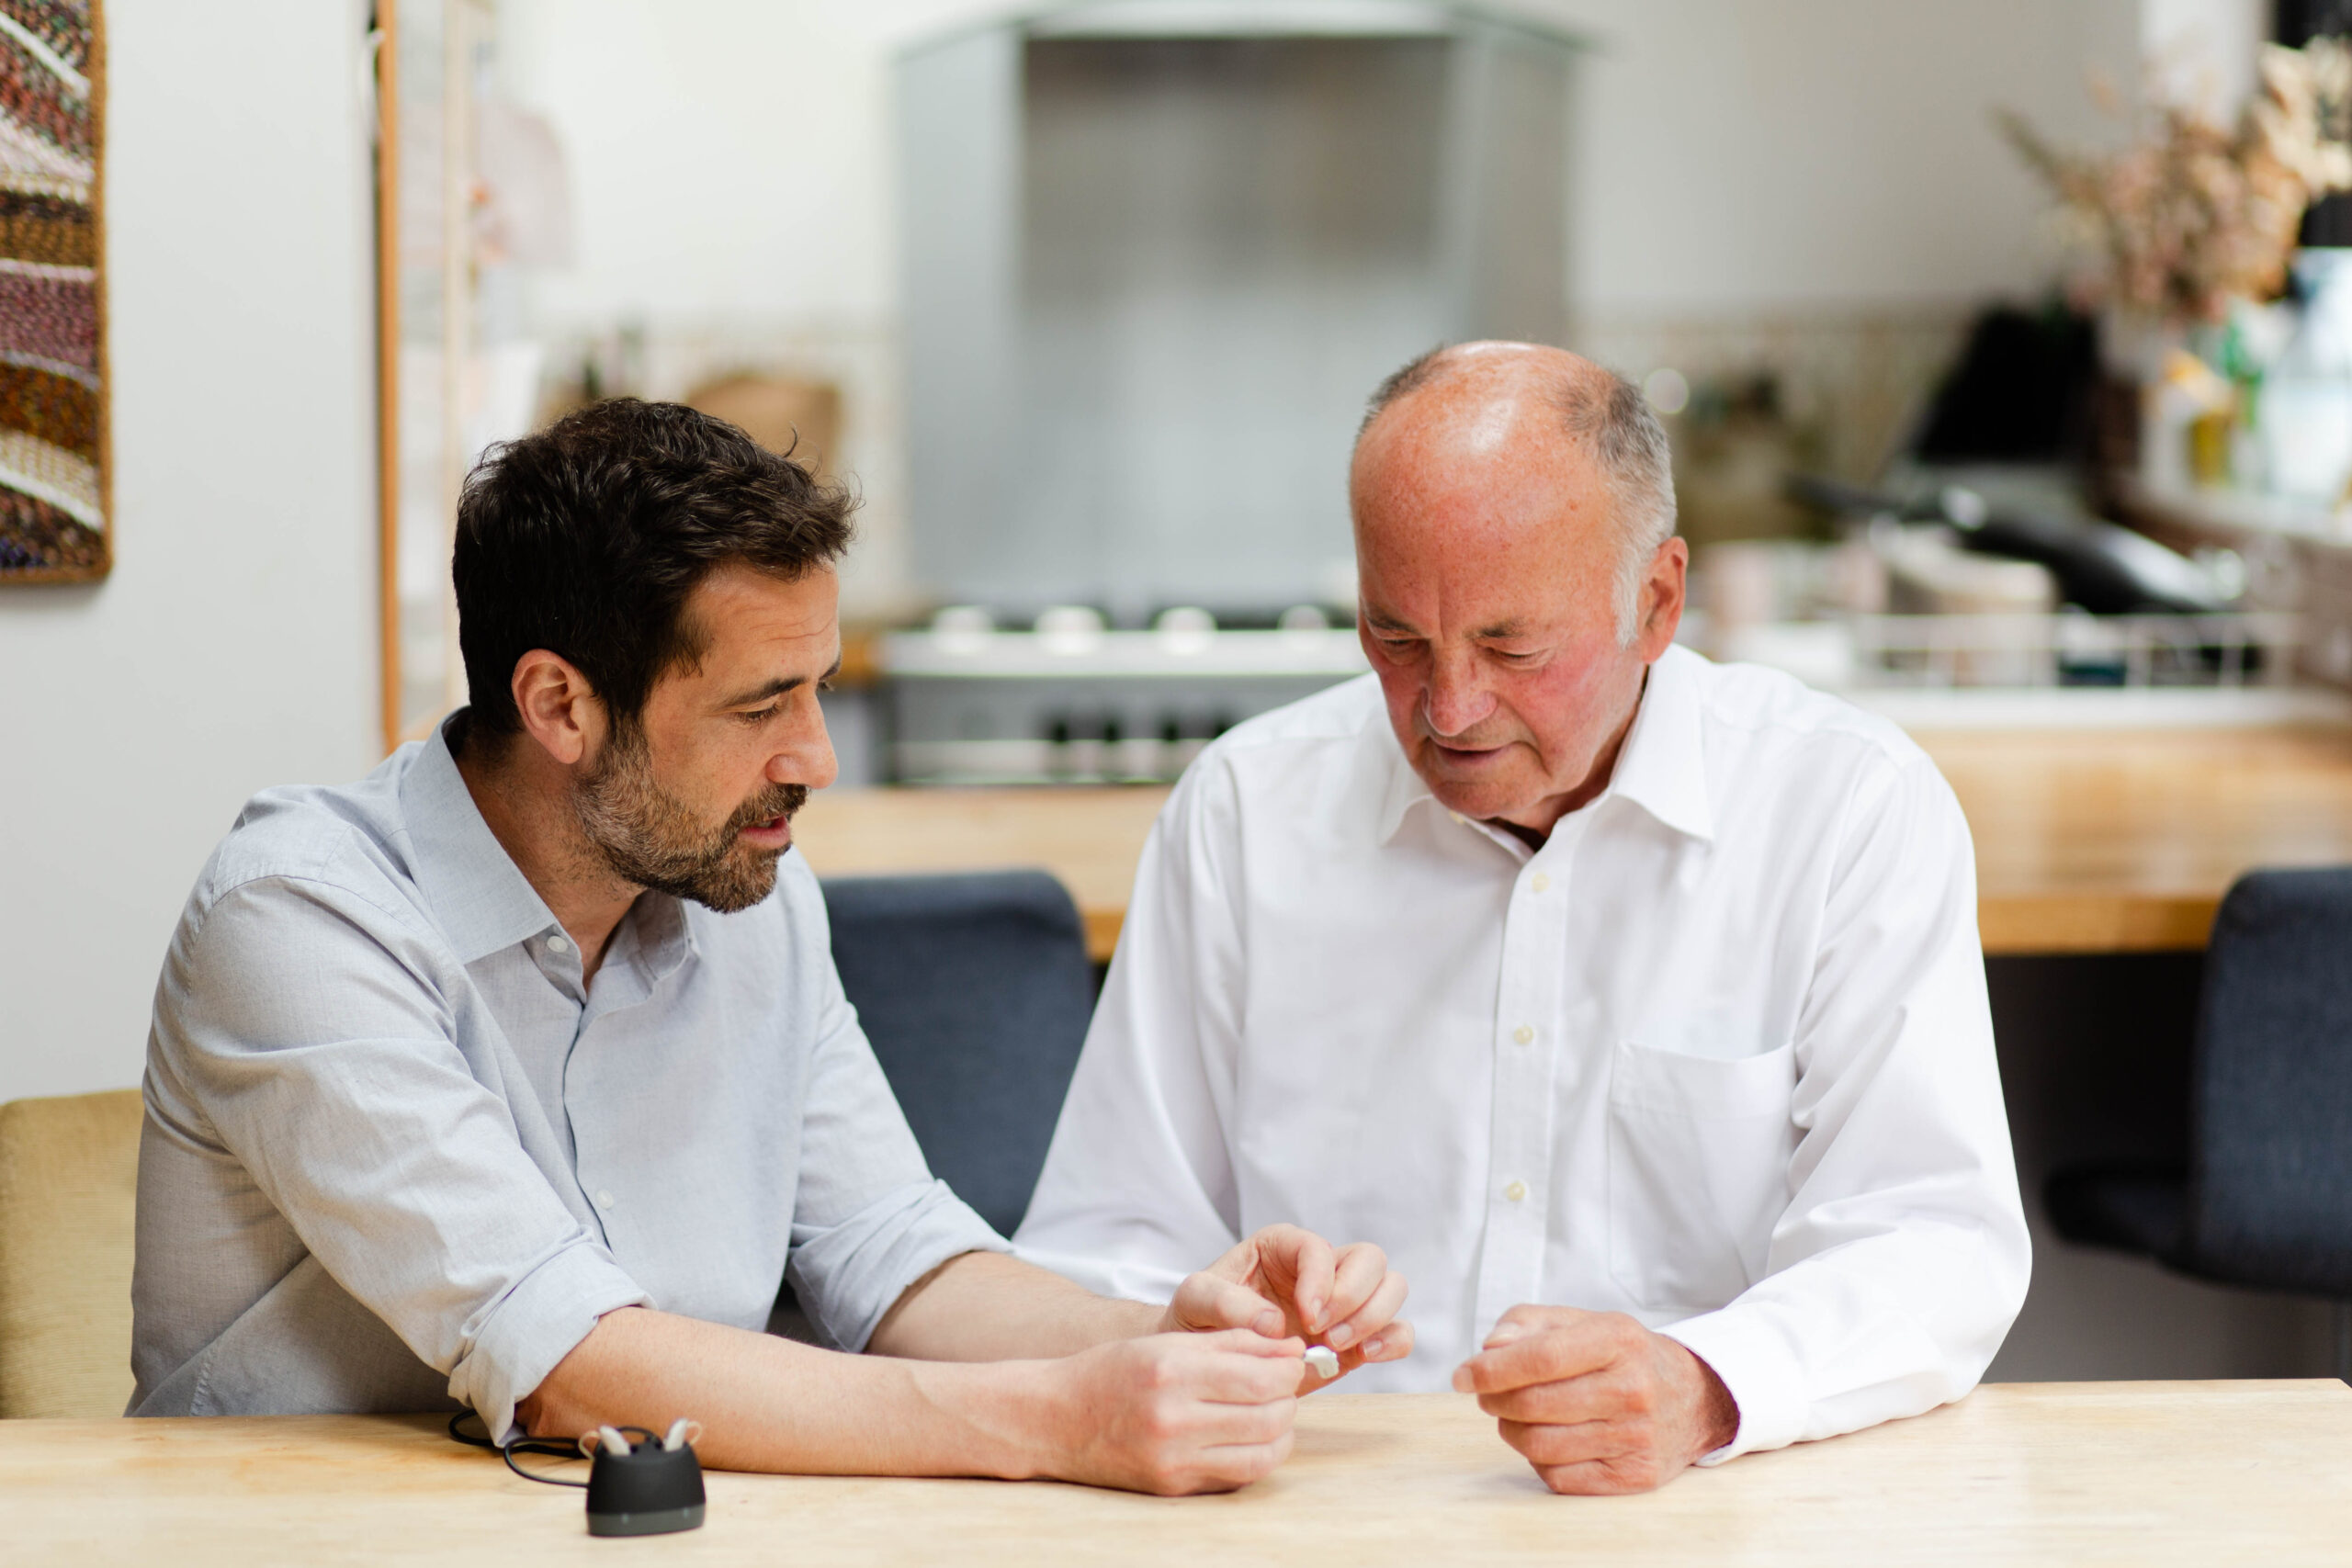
(233, 646)
(731, 156)
(1735, 155)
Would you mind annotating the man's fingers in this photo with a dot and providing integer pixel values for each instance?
(1550, 1443)
(1552, 1356)
(1596, 1397)
(1527, 1318)
(1392, 1343)
(1226, 1466)
(1240, 1367)
(1229, 1421)
(1610, 1474)
(1307, 1262)
(1209, 1302)
(1358, 1273)
(1249, 1342)
(1604, 1477)
(1240, 1382)
(1375, 1313)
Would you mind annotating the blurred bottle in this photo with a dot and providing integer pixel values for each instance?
(2306, 409)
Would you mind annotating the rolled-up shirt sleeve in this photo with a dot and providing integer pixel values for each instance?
(1901, 1256)
(869, 1219)
(301, 1043)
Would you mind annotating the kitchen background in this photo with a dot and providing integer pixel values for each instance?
(1788, 220)
(1026, 277)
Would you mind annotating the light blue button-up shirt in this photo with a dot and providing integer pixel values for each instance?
(397, 1156)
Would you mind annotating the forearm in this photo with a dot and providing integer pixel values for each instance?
(985, 1306)
(769, 1403)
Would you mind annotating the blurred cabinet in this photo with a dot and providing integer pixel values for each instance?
(1157, 255)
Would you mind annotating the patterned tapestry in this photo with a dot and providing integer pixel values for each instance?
(54, 493)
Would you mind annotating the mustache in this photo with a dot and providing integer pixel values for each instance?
(782, 800)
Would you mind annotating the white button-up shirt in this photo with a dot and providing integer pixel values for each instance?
(1718, 1055)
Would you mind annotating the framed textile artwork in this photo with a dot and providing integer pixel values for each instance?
(54, 497)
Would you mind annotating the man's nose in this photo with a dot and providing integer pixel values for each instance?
(1457, 700)
(807, 755)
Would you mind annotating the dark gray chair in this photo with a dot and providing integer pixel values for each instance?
(976, 992)
(2265, 1198)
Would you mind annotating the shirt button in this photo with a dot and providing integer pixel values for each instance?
(556, 944)
(1538, 883)
(1524, 1034)
(605, 1200)
(1516, 1191)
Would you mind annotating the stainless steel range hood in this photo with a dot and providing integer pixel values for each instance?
(1157, 253)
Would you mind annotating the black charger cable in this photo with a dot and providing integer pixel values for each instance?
(519, 1444)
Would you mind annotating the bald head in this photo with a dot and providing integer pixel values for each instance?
(1520, 410)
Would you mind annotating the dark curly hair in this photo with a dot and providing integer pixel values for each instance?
(588, 537)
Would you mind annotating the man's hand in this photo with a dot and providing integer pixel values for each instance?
(1167, 1413)
(1288, 1282)
(1596, 1402)
(1178, 1412)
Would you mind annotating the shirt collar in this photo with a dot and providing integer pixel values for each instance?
(476, 892)
(1662, 768)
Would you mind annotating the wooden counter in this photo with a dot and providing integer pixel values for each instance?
(2118, 843)
(2144, 1474)
(1088, 837)
(2086, 841)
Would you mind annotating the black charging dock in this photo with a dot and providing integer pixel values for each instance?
(649, 1490)
(639, 1482)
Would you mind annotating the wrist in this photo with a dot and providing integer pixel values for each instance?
(1061, 1417)
(1718, 1411)
(1003, 1419)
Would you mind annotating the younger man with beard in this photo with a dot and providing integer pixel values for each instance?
(518, 1074)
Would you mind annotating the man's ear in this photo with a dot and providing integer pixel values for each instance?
(560, 712)
(1662, 599)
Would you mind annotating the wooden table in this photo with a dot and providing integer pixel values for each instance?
(2087, 1473)
(2086, 842)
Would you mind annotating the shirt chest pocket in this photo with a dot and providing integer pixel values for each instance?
(1698, 1150)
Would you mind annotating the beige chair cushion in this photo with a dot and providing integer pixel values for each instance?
(69, 1179)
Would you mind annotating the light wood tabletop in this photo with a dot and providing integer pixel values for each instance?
(2086, 1473)
(2086, 841)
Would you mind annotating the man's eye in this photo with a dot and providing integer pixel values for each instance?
(761, 715)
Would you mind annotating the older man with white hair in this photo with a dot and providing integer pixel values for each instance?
(1632, 1002)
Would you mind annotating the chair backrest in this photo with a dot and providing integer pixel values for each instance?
(69, 1180)
(2270, 1177)
(975, 991)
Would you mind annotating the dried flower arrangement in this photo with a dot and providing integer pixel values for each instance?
(2194, 213)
